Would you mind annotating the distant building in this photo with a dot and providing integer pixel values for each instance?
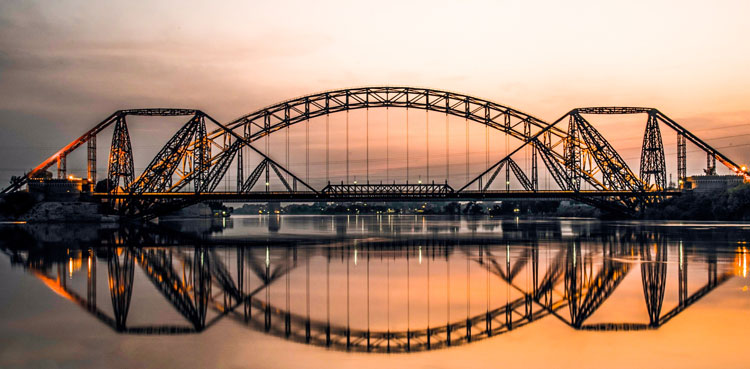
(712, 183)
(63, 189)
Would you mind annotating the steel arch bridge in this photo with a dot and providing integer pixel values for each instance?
(196, 159)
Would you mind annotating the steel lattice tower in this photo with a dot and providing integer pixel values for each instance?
(120, 158)
(652, 155)
(573, 154)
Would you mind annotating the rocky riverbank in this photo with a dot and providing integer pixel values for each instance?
(65, 212)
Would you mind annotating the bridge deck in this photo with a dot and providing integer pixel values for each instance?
(389, 196)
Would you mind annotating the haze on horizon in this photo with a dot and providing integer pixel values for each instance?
(66, 65)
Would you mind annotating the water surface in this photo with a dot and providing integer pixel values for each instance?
(374, 291)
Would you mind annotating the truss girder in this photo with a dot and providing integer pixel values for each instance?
(521, 176)
(281, 177)
(216, 168)
(558, 170)
(157, 177)
(253, 178)
(613, 167)
(220, 167)
(377, 190)
(494, 175)
(62, 153)
(562, 151)
(158, 174)
(517, 171)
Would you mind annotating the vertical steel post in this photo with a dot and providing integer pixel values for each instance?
(91, 167)
(61, 167)
(240, 170)
(681, 160)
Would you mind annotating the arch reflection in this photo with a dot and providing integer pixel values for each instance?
(377, 294)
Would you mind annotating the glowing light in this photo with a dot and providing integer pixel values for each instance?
(268, 258)
(744, 168)
(420, 254)
(266, 183)
(355, 256)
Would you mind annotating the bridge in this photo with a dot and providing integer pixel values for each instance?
(286, 292)
(209, 160)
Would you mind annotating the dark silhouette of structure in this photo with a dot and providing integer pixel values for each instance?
(196, 159)
(570, 283)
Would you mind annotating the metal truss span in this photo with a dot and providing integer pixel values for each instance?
(580, 161)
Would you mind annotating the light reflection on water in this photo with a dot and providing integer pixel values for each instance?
(385, 283)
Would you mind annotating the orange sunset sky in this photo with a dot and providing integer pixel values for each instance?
(66, 65)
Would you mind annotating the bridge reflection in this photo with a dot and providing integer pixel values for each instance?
(405, 293)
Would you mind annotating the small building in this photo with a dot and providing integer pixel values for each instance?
(63, 189)
(712, 183)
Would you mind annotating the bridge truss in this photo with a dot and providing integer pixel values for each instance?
(199, 156)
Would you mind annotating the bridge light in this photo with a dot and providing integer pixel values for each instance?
(507, 182)
(355, 181)
(266, 183)
(744, 168)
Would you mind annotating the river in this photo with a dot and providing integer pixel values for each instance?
(383, 291)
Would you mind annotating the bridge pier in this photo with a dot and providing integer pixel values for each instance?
(274, 221)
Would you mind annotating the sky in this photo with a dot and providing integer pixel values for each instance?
(66, 65)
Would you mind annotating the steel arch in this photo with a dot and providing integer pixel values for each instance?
(520, 125)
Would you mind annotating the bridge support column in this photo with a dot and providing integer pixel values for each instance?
(274, 221)
(240, 171)
(653, 169)
(61, 167)
(91, 280)
(273, 207)
(91, 150)
(681, 160)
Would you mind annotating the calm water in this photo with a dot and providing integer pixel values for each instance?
(322, 292)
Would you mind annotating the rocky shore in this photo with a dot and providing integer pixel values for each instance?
(64, 212)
